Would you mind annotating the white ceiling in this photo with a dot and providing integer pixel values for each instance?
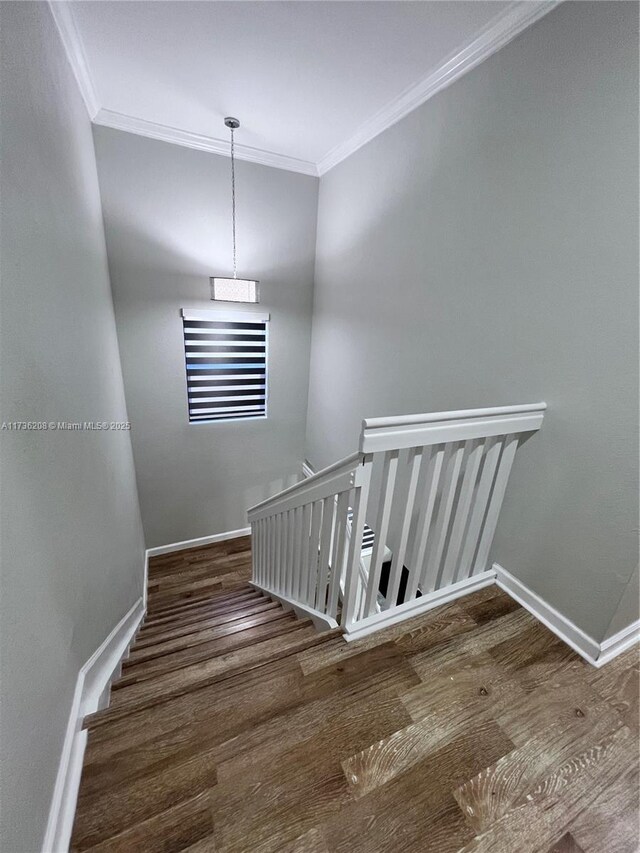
(309, 81)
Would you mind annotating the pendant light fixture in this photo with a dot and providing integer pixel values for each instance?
(233, 289)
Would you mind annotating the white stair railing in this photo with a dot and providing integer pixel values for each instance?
(430, 486)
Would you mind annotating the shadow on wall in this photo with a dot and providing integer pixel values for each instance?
(472, 275)
(255, 494)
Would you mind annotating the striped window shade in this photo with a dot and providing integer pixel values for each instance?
(226, 360)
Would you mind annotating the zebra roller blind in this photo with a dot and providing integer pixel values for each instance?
(226, 361)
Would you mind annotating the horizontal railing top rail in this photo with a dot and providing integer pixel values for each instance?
(402, 431)
(307, 488)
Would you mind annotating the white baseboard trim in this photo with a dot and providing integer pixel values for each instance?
(419, 605)
(595, 653)
(197, 543)
(620, 642)
(564, 628)
(94, 676)
(145, 581)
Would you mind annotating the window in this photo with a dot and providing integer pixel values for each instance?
(226, 361)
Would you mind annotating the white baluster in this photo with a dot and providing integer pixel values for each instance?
(256, 548)
(509, 447)
(353, 582)
(303, 588)
(254, 558)
(414, 460)
(425, 515)
(337, 554)
(469, 477)
(291, 539)
(300, 540)
(268, 554)
(328, 511)
(278, 570)
(492, 449)
(430, 579)
(390, 467)
(312, 555)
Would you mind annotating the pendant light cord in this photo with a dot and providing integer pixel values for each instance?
(233, 206)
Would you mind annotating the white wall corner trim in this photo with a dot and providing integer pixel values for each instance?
(164, 133)
(62, 12)
(307, 469)
(502, 29)
(597, 654)
(197, 543)
(94, 676)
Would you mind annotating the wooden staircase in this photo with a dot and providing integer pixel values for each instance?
(205, 626)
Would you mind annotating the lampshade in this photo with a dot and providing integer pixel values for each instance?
(234, 289)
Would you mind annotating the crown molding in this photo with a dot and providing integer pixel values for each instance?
(495, 35)
(142, 127)
(72, 43)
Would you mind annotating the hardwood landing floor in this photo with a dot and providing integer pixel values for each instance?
(236, 728)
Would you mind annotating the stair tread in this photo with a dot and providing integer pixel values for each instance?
(201, 606)
(203, 674)
(201, 556)
(205, 650)
(262, 605)
(202, 577)
(158, 600)
(189, 619)
(201, 632)
(218, 597)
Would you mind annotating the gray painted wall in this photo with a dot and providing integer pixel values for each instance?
(167, 216)
(484, 251)
(72, 543)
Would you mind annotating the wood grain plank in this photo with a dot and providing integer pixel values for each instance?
(99, 817)
(496, 789)
(169, 831)
(421, 634)
(541, 818)
(611, 821)
(416, 807)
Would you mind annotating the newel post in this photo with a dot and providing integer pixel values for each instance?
(361, 482)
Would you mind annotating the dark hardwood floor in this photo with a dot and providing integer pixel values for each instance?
(237, 728)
